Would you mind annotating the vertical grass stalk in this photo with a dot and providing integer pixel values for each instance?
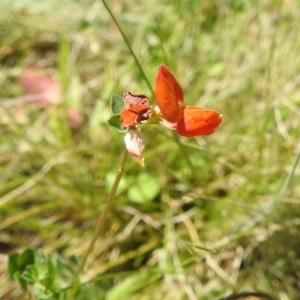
(104, 214)
(129, 47)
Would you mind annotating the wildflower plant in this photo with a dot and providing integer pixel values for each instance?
(133, 111)
(38, 273)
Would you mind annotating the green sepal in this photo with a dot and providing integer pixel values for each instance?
(116, 104)
(115, 122)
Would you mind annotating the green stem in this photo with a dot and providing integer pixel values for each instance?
(129, 47)
(104, 214)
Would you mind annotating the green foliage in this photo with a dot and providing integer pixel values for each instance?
(145, 189)
(130, 285)
(47, 276)
(115, 123)
(116, 104)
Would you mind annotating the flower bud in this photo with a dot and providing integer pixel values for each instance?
(134, 141)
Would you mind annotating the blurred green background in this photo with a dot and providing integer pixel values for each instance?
(236, 191)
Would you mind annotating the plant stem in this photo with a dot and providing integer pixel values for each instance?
(104, 214)
(129, 47)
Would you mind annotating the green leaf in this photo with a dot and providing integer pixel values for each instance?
(116, 104)
(115, 122)
(30, 275)
(52, 271)
(74, 262)
(42, 269)
(42, 292)
(145, 190)
(26, 258)
(22, 282)
(13, 264)
(64, 268)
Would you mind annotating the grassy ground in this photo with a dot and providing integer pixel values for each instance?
(236, 191)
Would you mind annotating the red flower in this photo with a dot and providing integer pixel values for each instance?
(188, 121)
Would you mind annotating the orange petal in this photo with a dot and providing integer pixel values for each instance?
(128, 118)
(168, 94)
(173, 82)
(196, 121)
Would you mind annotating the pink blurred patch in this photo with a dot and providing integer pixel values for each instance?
(39, 88)
(75, 119)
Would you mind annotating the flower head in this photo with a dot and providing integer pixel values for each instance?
(188, 121)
